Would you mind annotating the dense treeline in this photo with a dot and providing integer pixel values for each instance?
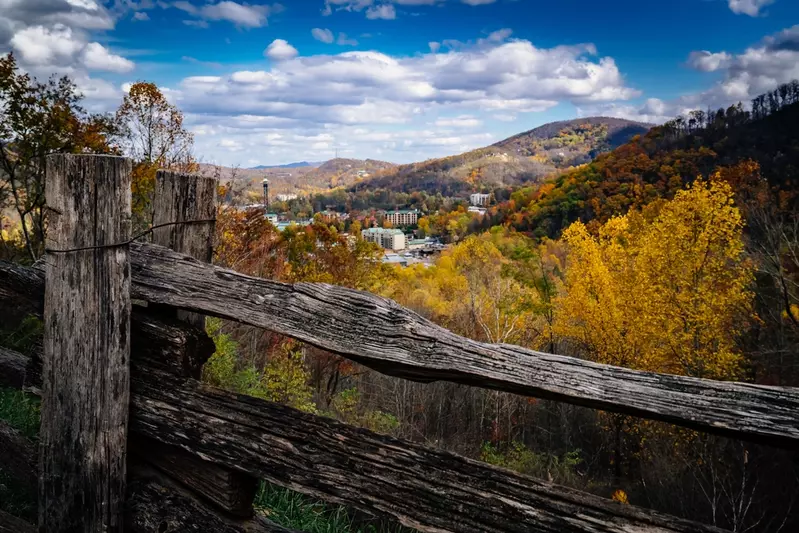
(661, 162)
(573, 142)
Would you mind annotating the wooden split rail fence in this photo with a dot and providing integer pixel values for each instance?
(131, 439)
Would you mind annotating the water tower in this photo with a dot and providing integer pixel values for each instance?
(266, 195)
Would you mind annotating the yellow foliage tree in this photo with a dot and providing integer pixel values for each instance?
(666, 291)
(471, 290)
(151, 132)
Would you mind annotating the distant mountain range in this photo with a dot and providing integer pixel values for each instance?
(299, 164)
(524, 157)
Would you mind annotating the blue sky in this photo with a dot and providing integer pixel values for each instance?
(403, 80)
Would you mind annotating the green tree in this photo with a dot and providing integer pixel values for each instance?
(38, 119)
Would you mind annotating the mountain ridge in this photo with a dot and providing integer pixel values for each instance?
(526, 156)
(299, 164)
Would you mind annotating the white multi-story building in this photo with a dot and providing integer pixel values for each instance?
(403, 217)
(478, 210)
(286, 197)
(479, 199)
(390, 239)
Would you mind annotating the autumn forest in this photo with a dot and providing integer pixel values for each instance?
(675, 252)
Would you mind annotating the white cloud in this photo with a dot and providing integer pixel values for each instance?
(376, 105)
(748, 7)
(343, 40)
(16, 15)
(231, 145)
(280, 50)
(383, 11)
(500, 35)
(242, 15)
(758, 69)
(61, 49)
(97, 57)
(328, 37)
(52, 37)
(511, 77)
(42, 46)
(434, 46)
(196, 23)
(463, 121)
(707, 61)
(505, 117)
(323, 35)
(89, 5)
(141, 16)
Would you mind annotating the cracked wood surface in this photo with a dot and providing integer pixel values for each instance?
(386, 337)
(431, 490)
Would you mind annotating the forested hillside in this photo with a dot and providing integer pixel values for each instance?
(659, 163)
(573, 142)
(522, 158)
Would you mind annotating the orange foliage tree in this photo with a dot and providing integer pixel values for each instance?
(151, 132)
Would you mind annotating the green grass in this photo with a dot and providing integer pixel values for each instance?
(293, 510)
(21, 411)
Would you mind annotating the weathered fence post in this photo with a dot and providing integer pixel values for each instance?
(85, 386)
(183, 197)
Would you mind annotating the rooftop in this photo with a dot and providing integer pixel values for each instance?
(390, 231)
(403, 211)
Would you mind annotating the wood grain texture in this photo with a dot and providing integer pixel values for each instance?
(171, 346)
(431, 490)
(154, 504)
(14, 367)
(18, 458)
(85, 378)
(158, 505)
(230, 490)
(12, 524)
(385, 336)
(181, 197)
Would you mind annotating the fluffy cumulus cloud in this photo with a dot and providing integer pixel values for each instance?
(280, 50)
(420, 105)
(97, 57)
(758, 69)
(514, 76)
(53, 36)
(708, 61)
(748, 7)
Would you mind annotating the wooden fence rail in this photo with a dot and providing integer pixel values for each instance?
(430, 490)
(200, 450)
(386, 337)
